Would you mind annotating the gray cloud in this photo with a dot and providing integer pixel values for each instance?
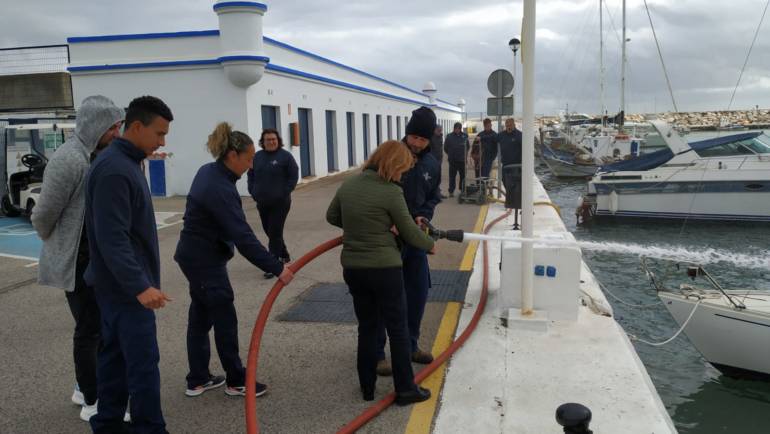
(457, 44)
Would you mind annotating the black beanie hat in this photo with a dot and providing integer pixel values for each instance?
(422, 123)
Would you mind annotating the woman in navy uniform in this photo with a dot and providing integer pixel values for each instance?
(214, 224)
(271, 180)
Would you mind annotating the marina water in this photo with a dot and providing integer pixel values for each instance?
(698, 397)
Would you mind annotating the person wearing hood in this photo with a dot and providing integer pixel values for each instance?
(58, 218)
(421, 191)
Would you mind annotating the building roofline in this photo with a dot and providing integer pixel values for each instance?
(268, 40)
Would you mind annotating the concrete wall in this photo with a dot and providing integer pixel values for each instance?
(35, 91)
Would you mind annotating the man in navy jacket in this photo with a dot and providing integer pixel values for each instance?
(125, 272)
(421, 191)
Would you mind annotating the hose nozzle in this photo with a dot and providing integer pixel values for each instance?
(438, 234)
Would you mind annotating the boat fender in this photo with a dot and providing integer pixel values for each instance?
(613, 202)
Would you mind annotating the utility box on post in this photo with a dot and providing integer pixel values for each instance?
(556, 277)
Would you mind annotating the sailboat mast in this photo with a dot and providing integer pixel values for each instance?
(623, 71)
(601, 60)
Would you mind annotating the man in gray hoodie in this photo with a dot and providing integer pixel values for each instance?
(58, 218)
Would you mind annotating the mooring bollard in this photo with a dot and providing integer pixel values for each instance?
(574, 418)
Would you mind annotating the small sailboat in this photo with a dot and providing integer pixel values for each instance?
(730, 328)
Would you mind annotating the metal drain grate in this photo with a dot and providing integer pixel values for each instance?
(332, 303)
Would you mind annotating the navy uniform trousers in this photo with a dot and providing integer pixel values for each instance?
(211, 305)
(416, 285)
(127, 365)
(379, 301)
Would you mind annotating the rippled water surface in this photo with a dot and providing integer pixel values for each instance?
(698, 398)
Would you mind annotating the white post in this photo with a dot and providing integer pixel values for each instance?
(528, 155)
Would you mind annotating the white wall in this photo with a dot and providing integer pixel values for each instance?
(198, 98)
(201, 96)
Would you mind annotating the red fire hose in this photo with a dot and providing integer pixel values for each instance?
(252, 427)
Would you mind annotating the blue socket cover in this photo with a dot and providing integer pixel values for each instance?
(539, 270)
(550, 271)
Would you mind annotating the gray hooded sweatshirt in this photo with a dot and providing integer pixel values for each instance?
(58, 215)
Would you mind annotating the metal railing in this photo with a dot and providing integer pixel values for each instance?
(34, 60)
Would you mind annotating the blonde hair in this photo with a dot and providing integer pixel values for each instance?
(224, 139)
(391, 159)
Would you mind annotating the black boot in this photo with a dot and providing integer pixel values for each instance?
(419, 394)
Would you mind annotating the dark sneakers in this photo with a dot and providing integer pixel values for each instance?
(241, 390)
(420, 394)
(213, 383)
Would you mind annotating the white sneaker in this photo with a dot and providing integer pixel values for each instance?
(88, 411)
(77, 397)
(127, 417)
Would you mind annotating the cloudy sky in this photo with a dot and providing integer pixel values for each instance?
(457, 43)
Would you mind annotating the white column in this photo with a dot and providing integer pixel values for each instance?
(527, 155)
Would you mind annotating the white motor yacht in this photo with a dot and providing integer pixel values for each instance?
(724, 178)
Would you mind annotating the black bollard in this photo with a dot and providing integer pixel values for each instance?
(574, 418)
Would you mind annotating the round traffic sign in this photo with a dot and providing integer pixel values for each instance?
(500, 83)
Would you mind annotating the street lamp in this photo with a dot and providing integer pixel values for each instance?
(514, 45)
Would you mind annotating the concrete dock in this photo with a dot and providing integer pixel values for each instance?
(502, 380)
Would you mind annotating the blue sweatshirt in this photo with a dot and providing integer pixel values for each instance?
(273, 177)
(120, 221)
(214, 223)
(421, 185)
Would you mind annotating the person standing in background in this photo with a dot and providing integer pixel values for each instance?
(270, 181)
(456, 147)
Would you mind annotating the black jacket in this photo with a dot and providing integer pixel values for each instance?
(120, 220)
(456, 146)
(421, 185)
(273, 176)
(488, 145)
(437, 147)
(510, 147)
(214, 223)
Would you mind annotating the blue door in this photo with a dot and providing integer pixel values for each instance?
(157, 177)
(269, 117)
(366, 135)
(378, 128)
(304, 142)
(331, 159)
(351, 156)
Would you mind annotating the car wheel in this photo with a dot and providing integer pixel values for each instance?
(8, 208)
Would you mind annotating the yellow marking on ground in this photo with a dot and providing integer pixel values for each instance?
(421, 418)
(470, 252)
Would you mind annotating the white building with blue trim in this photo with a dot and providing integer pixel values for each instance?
(235, 74)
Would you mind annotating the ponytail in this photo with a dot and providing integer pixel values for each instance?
(224, 139)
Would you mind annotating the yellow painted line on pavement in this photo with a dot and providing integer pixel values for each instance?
(421, 418)
(470, 252)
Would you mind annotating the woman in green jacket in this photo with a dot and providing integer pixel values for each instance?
(371, 210)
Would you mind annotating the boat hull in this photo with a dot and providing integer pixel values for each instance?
(727, 337)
